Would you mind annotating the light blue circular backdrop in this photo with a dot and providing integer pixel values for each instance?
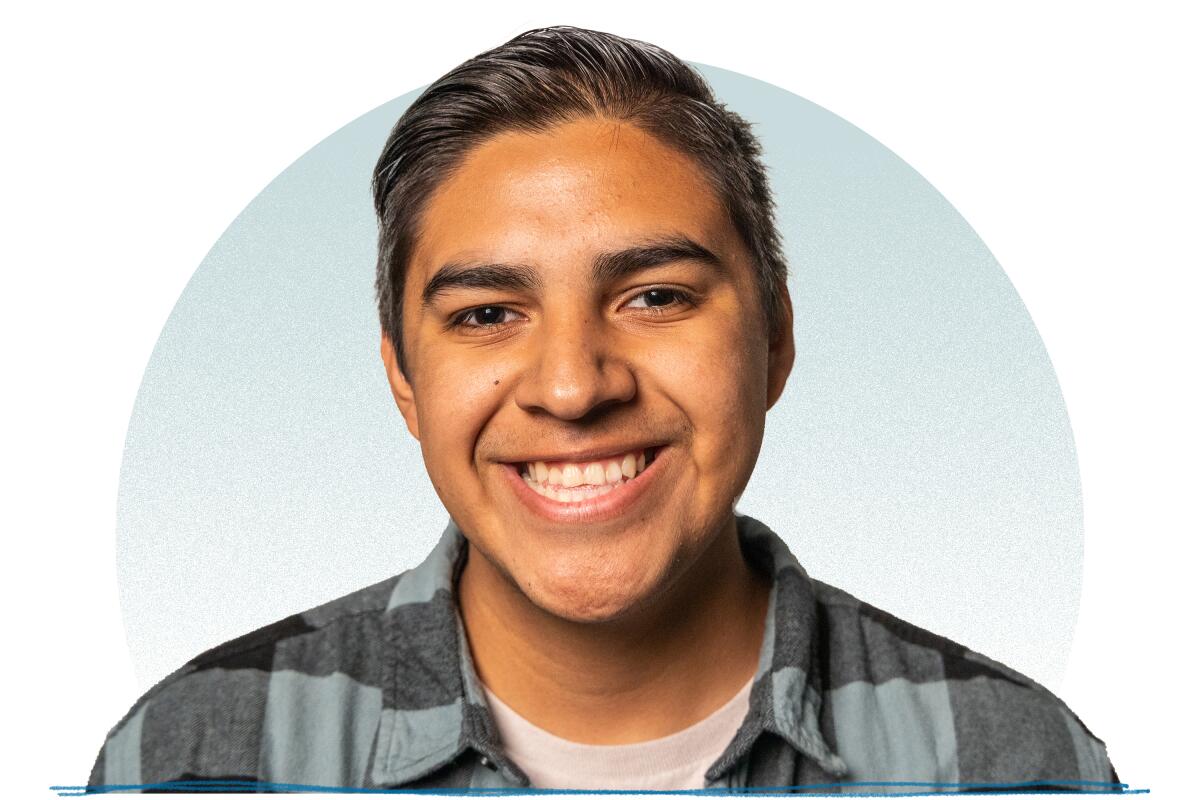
(921, 457)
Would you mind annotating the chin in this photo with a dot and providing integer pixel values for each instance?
(587, 598)
(593, 613)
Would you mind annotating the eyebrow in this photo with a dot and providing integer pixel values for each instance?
(613, 266)
(498, 277)
(606, 268)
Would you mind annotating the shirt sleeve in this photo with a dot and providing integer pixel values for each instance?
(119, 762)
(205, 724)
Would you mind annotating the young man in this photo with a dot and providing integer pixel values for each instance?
(585, 320)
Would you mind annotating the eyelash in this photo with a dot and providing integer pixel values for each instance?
(459, 321)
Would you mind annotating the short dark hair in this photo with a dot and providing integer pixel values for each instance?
(546, 77)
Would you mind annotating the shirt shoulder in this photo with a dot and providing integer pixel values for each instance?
(307, 683)
(908, 704)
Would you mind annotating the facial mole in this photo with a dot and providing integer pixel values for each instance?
(495, 383)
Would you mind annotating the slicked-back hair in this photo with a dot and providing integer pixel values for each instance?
(541, 79)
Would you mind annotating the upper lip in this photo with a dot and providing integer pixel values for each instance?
(591, 454)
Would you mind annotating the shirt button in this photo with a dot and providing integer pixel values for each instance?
(487, 762)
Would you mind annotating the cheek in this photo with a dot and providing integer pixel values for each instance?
(719, 382)
(454, 403)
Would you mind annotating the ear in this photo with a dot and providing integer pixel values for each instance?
(401, 389)
(781, 353)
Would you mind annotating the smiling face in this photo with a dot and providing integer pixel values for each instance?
(589, 362)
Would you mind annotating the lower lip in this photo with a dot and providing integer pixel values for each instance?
(607, 506)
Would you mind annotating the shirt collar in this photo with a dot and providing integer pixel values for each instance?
(787, 694)
(434, 708)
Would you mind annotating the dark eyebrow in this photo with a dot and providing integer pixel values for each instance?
(610, 267)
(606, 268)
(457, 275)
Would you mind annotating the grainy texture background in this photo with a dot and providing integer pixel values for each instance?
(921, 457)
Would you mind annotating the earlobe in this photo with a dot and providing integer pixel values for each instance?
(402, 391)
(782, 352)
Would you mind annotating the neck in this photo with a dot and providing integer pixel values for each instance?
(652, 672)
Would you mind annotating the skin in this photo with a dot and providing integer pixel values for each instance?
(631, 628)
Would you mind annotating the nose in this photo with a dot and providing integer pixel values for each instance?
(575, 368)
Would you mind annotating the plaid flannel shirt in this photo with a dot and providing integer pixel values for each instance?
(377, 690)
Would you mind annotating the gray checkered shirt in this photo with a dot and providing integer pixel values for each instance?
(377, 690)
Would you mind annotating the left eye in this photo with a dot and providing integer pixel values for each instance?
(657, 298)
(483, 317)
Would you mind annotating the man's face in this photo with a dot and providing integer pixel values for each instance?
(579, 309)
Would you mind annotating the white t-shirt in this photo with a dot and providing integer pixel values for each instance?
(677, 761)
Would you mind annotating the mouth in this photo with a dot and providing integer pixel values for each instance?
(587, 490)
(574, 481)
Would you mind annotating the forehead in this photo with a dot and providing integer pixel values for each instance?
(573, 190)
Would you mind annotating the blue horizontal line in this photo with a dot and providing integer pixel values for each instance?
(217, 785)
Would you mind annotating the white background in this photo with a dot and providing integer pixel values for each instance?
(134, 133)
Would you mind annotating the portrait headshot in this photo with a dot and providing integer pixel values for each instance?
(582, 331)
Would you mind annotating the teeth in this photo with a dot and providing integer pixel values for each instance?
(629, 465)
(572, 476)
(571, 483)
(569, 495)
